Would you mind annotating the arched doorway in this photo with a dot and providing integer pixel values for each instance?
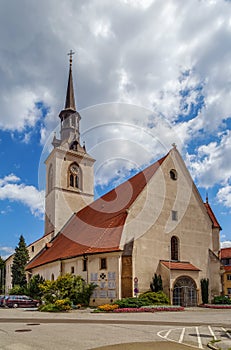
(185, 292)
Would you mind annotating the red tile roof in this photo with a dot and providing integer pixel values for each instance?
(225, 253)
(97, 227)
(212, 216)
(227, 268)
(178, 265)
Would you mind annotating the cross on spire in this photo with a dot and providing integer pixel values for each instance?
(70, 98)
(71, 53)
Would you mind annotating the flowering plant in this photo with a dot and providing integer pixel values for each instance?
(108, 307)
(215, 306)
(150, 309)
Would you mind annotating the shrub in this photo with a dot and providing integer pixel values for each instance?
(17, 290)
(57, 306)
(108, 307)
(154, 298)
(33, 289)
(222, 299)
(67, 286)
(130, 303)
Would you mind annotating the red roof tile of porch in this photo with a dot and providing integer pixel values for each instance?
(177, 265)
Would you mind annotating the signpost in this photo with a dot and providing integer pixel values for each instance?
(136, 289)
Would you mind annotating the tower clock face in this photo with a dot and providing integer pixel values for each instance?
(74, 169)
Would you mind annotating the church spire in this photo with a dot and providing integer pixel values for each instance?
(70, 118)
(70, 97)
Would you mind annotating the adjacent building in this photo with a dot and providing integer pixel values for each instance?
(226, 278)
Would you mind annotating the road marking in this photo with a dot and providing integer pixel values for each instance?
(227, 333)
(168, 332)
(212, 333)
(182, 335)
(199, 339)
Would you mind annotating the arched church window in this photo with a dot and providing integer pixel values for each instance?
(71, 180)
(74, 176)
(174, 248)
(50, 178)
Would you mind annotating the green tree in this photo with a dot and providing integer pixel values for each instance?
(21, 257)
(68, 286)
(2, 275)
(33, 289)
(156, 284)
(205, 290)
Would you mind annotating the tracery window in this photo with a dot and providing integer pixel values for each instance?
(74, 175)
(174, 248)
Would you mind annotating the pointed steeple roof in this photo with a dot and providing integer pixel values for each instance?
(70, 97)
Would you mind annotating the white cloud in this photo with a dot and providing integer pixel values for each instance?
(19, 192)
(226, 244)
(212, 162)
(151, 42)
(5, 252)
(224, 195)
(146, 53)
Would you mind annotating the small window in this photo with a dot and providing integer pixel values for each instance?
(85, 264)
(174, 248)
(174, 215)
(103, 263)
(72, 269)
(52, 277)
(32, 249)
(229, 290)
(173, 174)
(229, 277)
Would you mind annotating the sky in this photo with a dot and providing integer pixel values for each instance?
(147, 74)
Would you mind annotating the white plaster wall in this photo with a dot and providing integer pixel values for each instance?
(150, 223)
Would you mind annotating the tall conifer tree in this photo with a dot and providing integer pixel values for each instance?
(2, 274)
(20, 260)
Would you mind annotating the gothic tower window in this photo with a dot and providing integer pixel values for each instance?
(174, 248)
(50, 178)
(74, 176)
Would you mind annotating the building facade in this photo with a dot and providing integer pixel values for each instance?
(226, 278)
(156, 222)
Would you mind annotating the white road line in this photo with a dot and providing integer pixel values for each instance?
(227, 333)
(212, 333)
(182, 335)
(168, 332)
(199, 339)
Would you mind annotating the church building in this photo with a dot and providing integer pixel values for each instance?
(155, 222)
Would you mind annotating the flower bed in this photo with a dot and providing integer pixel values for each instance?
(216, 306)
(150, 309)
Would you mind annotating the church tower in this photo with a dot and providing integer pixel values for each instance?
(69, 169)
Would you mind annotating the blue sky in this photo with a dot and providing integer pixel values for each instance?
(146, 73)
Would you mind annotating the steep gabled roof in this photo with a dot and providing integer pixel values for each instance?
(178, 265)
(98, 227)
(212, 216)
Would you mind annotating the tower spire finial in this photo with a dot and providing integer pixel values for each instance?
(70, 97)
(71, 53)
